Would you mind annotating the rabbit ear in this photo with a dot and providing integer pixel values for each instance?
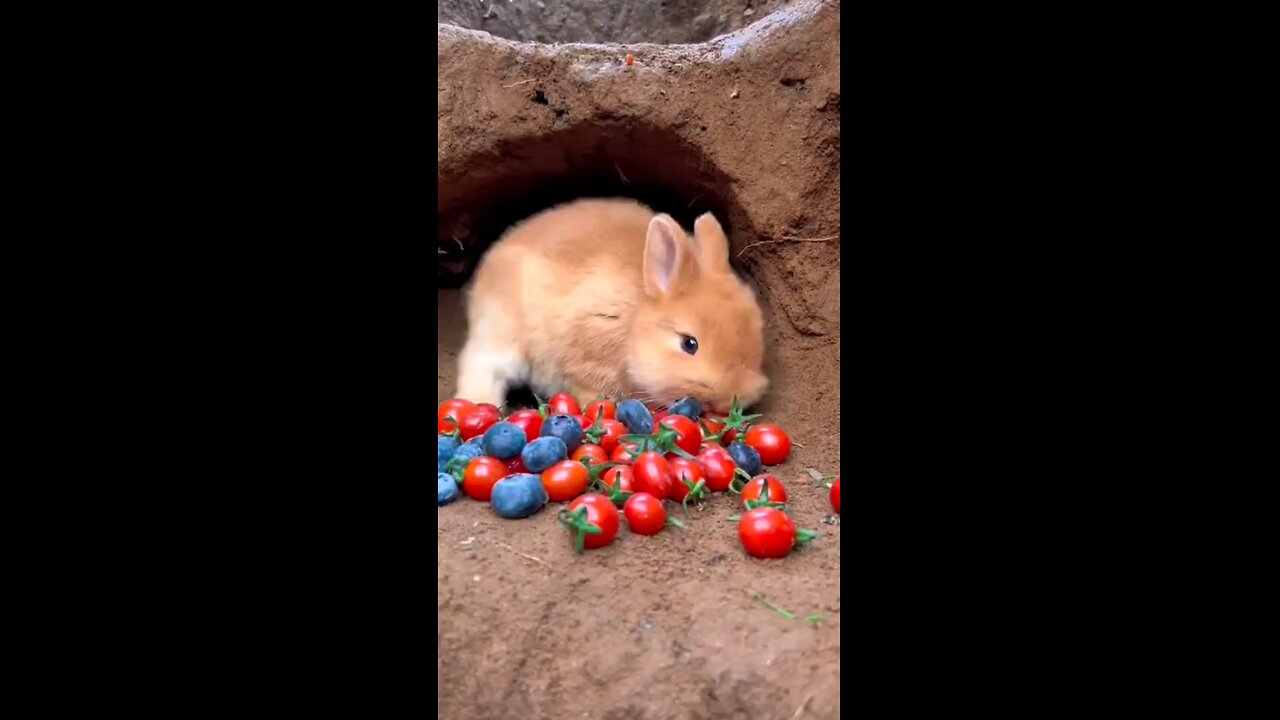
(713, 246)
(667, 270)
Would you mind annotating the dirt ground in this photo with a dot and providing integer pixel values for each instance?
(653, 628)
(746, 126)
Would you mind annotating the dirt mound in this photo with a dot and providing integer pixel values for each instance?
(745, 125)
(667, 22)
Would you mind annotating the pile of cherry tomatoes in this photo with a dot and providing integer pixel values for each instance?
(618, 456)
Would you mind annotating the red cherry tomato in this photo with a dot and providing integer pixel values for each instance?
(718, 467)
(645, 514)
(835, 495)
(754, 489)
(582, 420)
(447, 426)
(623, 453)
(515, 466)
(564, 404)
(613, 430)
(659, 415)
(598, 407)
(565, 480)
(587, 452)
(620, 477)
(652, 474)
(688, 434)
(530, 421)
(767, 533)
(683, 470)
(481, 475)
(600, 513)
(453, 408)
(476, 419)
(771, 442)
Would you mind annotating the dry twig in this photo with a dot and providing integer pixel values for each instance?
(788, 238)
(522, 82)
(526, 556)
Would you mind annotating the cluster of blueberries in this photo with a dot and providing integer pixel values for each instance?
(522, 495)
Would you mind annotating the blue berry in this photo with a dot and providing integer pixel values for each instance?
(518, 496)
(746, 457)
(564, 427)
(543, 453)
(503, 441)
(465, 454)
(636, 417)
(687, 407)
(446, 489)
(446, 447)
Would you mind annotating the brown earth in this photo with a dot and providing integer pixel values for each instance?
(747, 126)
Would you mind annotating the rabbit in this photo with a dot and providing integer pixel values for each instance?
(607, 297)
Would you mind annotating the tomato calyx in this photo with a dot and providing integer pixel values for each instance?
(764, 501)
(805, 536)
(739, 476)
(735, 421)
(663, 441)
(697, 491)
(596, 432)
(576, 522)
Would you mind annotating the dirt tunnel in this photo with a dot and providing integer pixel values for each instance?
(728, 106)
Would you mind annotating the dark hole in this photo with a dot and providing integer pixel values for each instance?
(522, 177)
(539, 98)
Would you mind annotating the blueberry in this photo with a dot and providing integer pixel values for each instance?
(543, 453)
(446, 489)
(746, 457)
(564, 427)
(503, 441)
(636, 417)
(518, 496)
(475, 440)
(446, 447)
(687, 407)
(465, 454)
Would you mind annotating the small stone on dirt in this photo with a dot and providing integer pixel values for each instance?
(476, 578)
(831, 520)
(748, 12)
(646, 624)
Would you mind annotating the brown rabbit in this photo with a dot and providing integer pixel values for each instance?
(607, 297)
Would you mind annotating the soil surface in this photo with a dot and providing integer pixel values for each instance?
(745, 126)
(593, 21)
(653, 628)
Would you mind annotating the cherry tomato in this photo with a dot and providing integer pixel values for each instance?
(515, 466)
(621, 477)
(530, 421)
(659, 415)
(563, 404)
(598, 407)
(453, 408)
(481, 475)
(718, 466)
(600, 513)
(587, 452)
(623, 453)
(582, 420)
(682, 470)
(652, 474)
(447, 426)
(565, 480)
(771, 442)
(767, 533)
(645, 514)
(613, 430)
(754, 490)
(478, 418)
(688, 434)
(835, 495)
(710, 426)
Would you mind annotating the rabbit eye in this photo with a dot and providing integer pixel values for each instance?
(689, 344)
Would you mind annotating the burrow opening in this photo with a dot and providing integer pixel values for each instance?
(665, 22)
(520, 178)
